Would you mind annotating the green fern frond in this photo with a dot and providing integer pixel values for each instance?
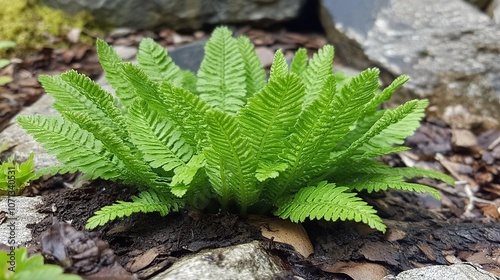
(412, 172)
(269, 114)
(145, 202)
(331, 203)
(180, 106)
(156, 63)
(397, 131)
(188, 112)
(136, 171)
(76, 148)
(345, 108)
(189, 81)
(319, 68)
(279, 68)
(159, 141)
(389, 118)
(373, 176)
(322, 125)
(110, 60)
(305, 137)
(362, 125)
(57, 169)
(143, 87)
(299, 62)
(267, 170)
(230, 160)
(386, 94)
(221, 78)
(91, 99)
(185, 175)
(254, 72)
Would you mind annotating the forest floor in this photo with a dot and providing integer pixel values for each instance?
(463, 226)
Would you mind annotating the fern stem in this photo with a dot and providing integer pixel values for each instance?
(243, 210)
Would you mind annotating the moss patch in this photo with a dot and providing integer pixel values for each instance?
(32, 25)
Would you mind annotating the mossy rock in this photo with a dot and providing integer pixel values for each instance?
(33, 26)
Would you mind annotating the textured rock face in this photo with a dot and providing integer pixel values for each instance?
(448, 47)
(245, 261)
(180, 14)
(439, 272)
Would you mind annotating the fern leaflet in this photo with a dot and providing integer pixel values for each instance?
(270, 113)
(299, 62)
(319, 68)
(329, 202)
(110, 60)
(230, 161)
(77, 148)
(159, 141)
(279, 68)
(255, 76)
(221, 78)
(145, 202)
(156, 63)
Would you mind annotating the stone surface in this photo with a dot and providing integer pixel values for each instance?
(245, 261)
(460, 271)
(180, 14)
(189, 56)
(448, 47)
(14, 228)
(23, 144)
(463, 140)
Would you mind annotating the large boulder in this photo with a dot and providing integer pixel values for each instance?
(448, 47)
(180, 14)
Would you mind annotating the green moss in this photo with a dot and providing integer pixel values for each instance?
(33, 26)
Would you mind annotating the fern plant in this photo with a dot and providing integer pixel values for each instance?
(16, 265)
(14, 177)
(300, 144)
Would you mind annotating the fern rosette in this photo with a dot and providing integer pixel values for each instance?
(300, 144)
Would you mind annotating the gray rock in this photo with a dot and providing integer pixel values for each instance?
(14, 228)
(180, 14)
(189, 56)
(245, 261)
(23, 143)
(125, 52)
(462, 271)
(448, 47)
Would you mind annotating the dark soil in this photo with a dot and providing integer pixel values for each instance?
(416, 236)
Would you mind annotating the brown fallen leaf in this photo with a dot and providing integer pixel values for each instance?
(490, 209)
(380, 252)
(427, 250)
(357, 271)
(284, 231)
(142, 260)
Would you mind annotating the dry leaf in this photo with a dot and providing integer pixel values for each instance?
(284, 231)
(143, 260)
(357, 271)
(380, 252)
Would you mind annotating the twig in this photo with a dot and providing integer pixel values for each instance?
(494, 143)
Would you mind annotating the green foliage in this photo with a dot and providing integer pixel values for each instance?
(5, 62)
(15, 177)
(16, 265)
(32, 25)
(301, 144)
